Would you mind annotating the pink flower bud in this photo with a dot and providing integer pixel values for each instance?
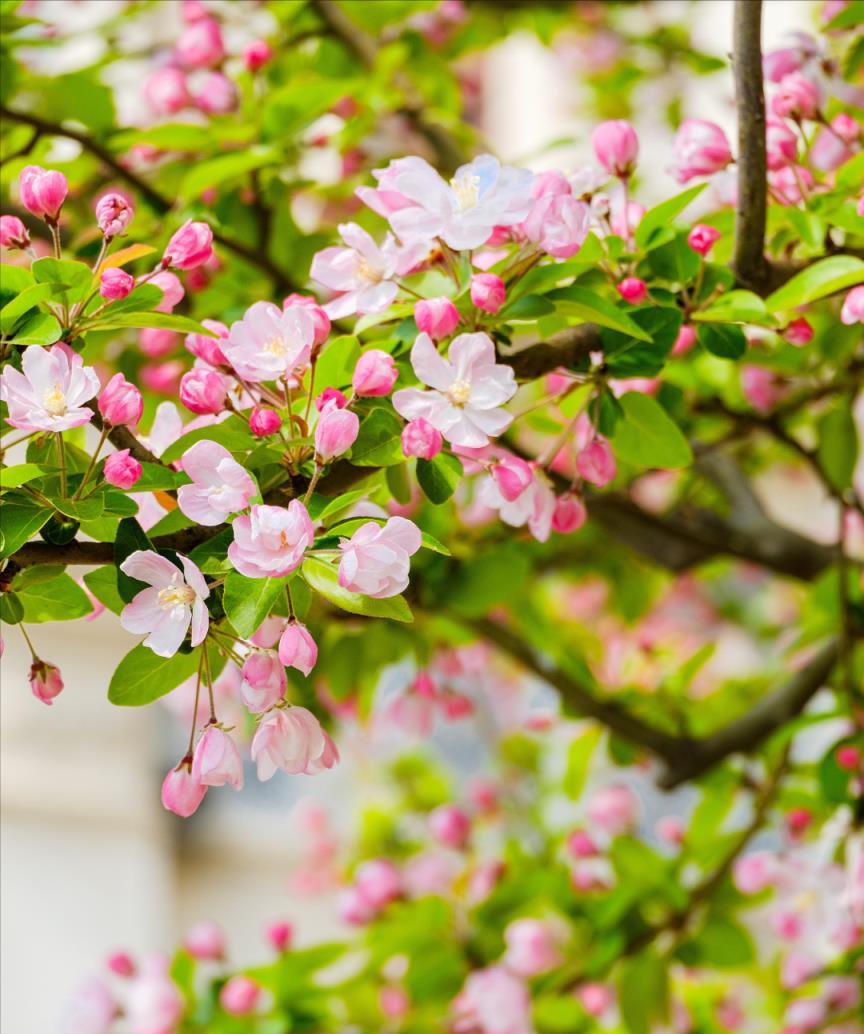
(207, 348)
(263, 422)
(531, 947)
(180, 792)
(320, 319)
(569, 514)
(115, 284)
(13, 233)
(394, 1002)
(450, 826)
(336, 431)
(354, 907)
(633, 290)
(121, 470)
(761, 387)
(796, 97)
(216, 760)
(200, 44)
(203, 391)
(848, 757)
(264, 681)
(171, 288)
(378, 881)
(702, 238)
(279, 935)
(45, 681)
(853, 307)
(375, 374)
(421, 439)
(191, 246)
(781, 143)
(437, 317)
(616, 146)
(754, 872)
(670, 829)
(487, 291)
(798, 821)
(121, 964)
(685, 341)
(120, 402)
(596, 463)
(239, 995)
(787, 184)
(846, 128)
(205, 941)
(330, 395)
(297, 648)
(113, 214)
(614, 809)
(156, 342)
(42, 191)
(216, 94)
(257, 54)
(581, 844)
(166, 92)
(799, 332)
(512, 476)
(595, 999)
(700, 149)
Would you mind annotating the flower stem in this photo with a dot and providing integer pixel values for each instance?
(92, 463)
(197, 698)
(61, 460)
(313, 482)
(33, 653)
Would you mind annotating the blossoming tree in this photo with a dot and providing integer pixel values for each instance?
(509, 428)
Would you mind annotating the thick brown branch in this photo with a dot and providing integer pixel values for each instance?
(750, 210)
(567, 348)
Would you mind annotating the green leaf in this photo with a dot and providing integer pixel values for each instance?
(40, 328)
(211, 556)
(76, 277)
(674, 261)
(648, 436)
(233, 433)
(439, 477)
(593, 308)
(642, 992)
(734, 307)
(721, 943)
(337, 505)
(28, 299)
(162, 320)
(146, 296)
(660, 216)
(103, 584)
(324, 579)
(11, 609)
(579, 760)
(248, 601)
(379, 442)
(20, 474)
(827, 276)
(336, 363)
(225, 167)
(142, 677)
(726, 340)
(22, 519)
(155, 477)
(130, 537)
(58, 599)
(528, 307)
(838, 446)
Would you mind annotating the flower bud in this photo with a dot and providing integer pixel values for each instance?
(239, 995)
(171, 288)
(569, 514)
(207, 348)
(115, 284)
(512, 476)
(297, 648)
(180, 792)
(120, 402)
(670, 829)
(595, 999)
(46, 681)
(487, 292)
(279, 935)
(205, 941)
(264, 681)
(13, 233)
(581, 844)
(848, 757)
(354, 908)
(378, 881)
(685, 341)
(853, 307)
(203, 391)
(190, 246)
(121, 964)
(121, 470)
(263, 422)
(437, 317)
(216, 94)
(632, 290)
(375, 374)
(330, 395)
(113, 214)
(799, 332)
(42, 191)
(700, 149)
(256, 54)
(200, 44)
(616, 146)
(320, 319)
(450, 826)
(157, 342)
(614, 809)
(752, 873)
(796, 97)
(798, 821)
(781, 144)
(336, 431)
(702, 238)
(421, 439)
(531, 947)
(166, 92)
(596, 463)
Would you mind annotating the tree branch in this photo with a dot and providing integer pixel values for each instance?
(750, 211)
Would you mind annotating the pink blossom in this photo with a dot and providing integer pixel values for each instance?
(330, 395)
(42, 191)
(292, 739)
(595, 999)
(220, 486)
(354, 908)
(271, 540)
(848, 757)
(216, 760)
(191, 246)
(796, 97)
(200, 44)
(532, 947)
(165, 90)
(171, 288)
(215, 94)
(700, 149)
(581, 844)
(778, 63)
(239, 995)
(120, 402)
(480, 196)
(181, 793)
(614, 809)
(46, 681)
(621, 226)
(51, 392)
(320, 319)
(362, 273)
(375, 374)
(121, 470)
(115, 284)
(297, 648)
(157, 342)
(754, 872)
(13, 233)
(685, 341)
(670, 829)
(761, 387)
(851, 313)
(394, 1002)
(375, 560)
(203, 390)
(702, 238)
(206, 348)
(414, 711)
(787, 184)
(487, 292)
(173, 602)
(533, 506)
(558, 224)
(512, 475)
(154, 1005)
(264, 681)
(633, 290)
(569, 514)
(805, 1014)
(437, 317)
(468, 389)
(205, 941)
(90, 1010)
(421, 439)
(616, 146)
(113, 214)
(336, 431)
(450, 826)
(257, 54)
(279, 935)
(378, 881)
(596, 463)
(264, 422)
(781, 143)
(493, 1001)
(829, 151)
(269, 344)
(799, 332)
(121, 964)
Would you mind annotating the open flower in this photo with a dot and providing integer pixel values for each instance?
(468, 389)
(268, 344)
(534, 505)
(292, 739)
(174, 600)
(220, 486)
(216, 760)
(50, 393)
(375, 560)
(271, 540)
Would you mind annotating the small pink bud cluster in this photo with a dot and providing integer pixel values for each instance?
(115, 284)
(113, 214)
(43, 192)
(376, 884)
(13, 233)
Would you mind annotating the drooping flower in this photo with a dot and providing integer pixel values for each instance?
(297, 648)
(320, 319)
(173, 602)
(50, 393)
(488, 292)
(181, 792)
(421, 439)
(13, 233)
(376, 559)
(264, 681)
(533, 505)
(269, 343)
(468, 389)
(853, 307)
(206, 348)
(271, 540)
(220, 486)
(46, 682)
(616, 146)
(596, 463)
(292, 739)
(217, 760)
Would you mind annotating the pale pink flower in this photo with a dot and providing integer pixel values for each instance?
(269, 343)
(200, 44)
(264, 680)
(46, 681)
(375, 374)
(534, 505)
(450, 826)
(493, 1001)
(174, 601)
(614, 809)
(616, 146)
(320, 319)
(217, 760)
(853, 307)
(172, 290)
(421, 439)
(754, 872)
(154, 1005)
(512, 475)
(297, 648)
(488, 292)
(120, 402)
(166, 92)
(239, 995)
(206, 348)
(220, 486)
(90, 1010)
(115, 284)
(214, 93)
(468, 389)
(121, 469)
(362, 273)
(292, 739)
(569, 514)
(437, 317)
(781, 142)
(190, 246)
(375, 560)
(13, 233)
(378, 881)
(181, 792)
(532, 947)
(42, 191)
(336, 431)
(50, 393)
(558, 224)
(700, 149)
(796, 97)
(113, 214)
(205, 941)
(596, 463)
(203, 390)
(271, 540)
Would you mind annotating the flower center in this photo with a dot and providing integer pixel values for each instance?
(366, 272)
(54, 401)
(467, 191)
(276, 346)
(459, 393)
(176, 596)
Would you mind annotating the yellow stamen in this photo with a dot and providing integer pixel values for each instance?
(459, 393)
(54, 401)
(176, 596)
